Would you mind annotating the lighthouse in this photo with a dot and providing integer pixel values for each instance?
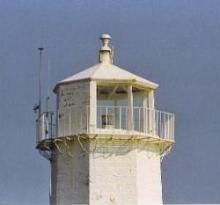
(106, 139)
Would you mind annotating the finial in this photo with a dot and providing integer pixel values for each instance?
(105, 38)
(105, 53)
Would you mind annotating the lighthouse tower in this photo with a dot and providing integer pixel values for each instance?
(107, 142)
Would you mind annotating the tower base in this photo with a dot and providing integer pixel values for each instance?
(97, 170)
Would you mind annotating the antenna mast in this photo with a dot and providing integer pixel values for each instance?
(40, 83)
(48, 86)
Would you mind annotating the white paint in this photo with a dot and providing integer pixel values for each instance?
(92, 108)
(72, 107)
(145, 112)
(130, 109)
(149, 185)
(109, 172)
(104, 71)
(70, 176)
(103, 168)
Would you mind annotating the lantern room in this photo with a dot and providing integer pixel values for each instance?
(108, 100)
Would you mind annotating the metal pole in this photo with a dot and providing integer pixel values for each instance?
(40, 75)
(48, 85)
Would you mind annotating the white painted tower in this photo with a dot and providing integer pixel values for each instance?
(109, 138)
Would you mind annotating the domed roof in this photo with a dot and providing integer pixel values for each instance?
(105, 70)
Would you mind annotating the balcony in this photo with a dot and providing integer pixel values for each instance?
(45, 127)
(117, 121)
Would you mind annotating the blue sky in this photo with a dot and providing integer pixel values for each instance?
(173, 43)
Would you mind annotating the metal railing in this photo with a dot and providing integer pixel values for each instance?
(72, 121)
(120, 119)
(107, 120)
(139, 120)
(45, 126)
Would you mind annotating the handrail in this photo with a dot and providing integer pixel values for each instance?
(108, 120)
(45, 126)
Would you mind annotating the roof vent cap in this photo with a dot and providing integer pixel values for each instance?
(105, 38)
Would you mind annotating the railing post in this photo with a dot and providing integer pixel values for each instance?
(156, 123)
(116, 118)
(168, 127)
(145, 111)
(57, 123)
(44, 134)
(130, 109)
(150, 121)
(93, 106)
(106, 117)
(87, 119)
(70, 121)
(81, 119)
(139, 119)
(120, 118)
(51, 125)
(161, 126)
(37, 131)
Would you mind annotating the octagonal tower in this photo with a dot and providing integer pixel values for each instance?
(109, 137)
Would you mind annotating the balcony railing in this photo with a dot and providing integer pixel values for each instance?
(45, 126)
(107, 120)
(144, 121)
